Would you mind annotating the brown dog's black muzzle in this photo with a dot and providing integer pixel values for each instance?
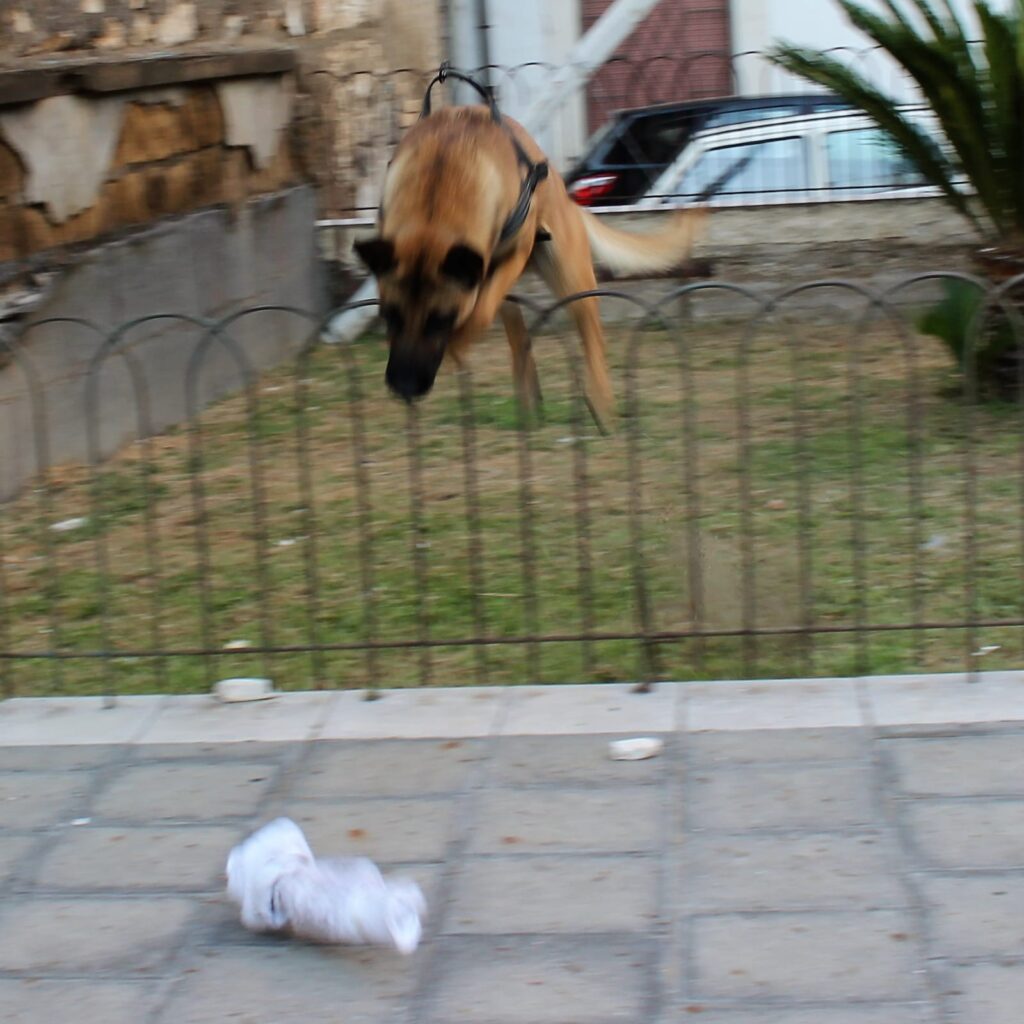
(412, 369)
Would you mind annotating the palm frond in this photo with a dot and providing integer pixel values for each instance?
(912, 141)
(1006, 111)
(976, 93)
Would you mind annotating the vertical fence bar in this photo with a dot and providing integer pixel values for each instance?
(364, 506)
(916, 431)
(44, 494)
(7, 668)
(474, 540)
(858, 539)
(970, 553)
(747, 538)
(259, 521)
(214, 335)
(581, 503)
(692, 490)
(154, 561)
(649, 669)
(1018, 338)
(7, 684)
(309, 519)
(527, 543)
(115, 344)
(418, 534)
(804, 459)
(196, 458)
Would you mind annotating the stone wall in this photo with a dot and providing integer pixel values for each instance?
(77, 169)
(348, 109)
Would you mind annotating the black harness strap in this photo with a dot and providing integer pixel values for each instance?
(535, 172)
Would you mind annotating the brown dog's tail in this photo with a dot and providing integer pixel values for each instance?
(626, 254)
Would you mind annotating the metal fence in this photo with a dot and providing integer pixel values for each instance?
(361, 115)
(797, 484)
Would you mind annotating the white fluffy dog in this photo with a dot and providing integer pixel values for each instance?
(281, 887)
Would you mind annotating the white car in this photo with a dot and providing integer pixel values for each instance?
(811, 157)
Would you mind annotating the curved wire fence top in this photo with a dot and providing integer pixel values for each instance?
(796, 484)
(640, 81)
(366, 111)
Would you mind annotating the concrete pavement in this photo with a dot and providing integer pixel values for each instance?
(802, 852)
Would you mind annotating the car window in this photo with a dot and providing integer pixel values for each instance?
(866, 158)
(655, 140)
(742, 116)
(747, 171)
(827, 106)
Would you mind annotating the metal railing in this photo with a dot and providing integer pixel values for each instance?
(797, 484)
(365, 113)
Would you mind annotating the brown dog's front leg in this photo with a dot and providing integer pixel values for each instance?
(566, 277)
(524, 369)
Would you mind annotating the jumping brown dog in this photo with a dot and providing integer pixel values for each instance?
(468, 204)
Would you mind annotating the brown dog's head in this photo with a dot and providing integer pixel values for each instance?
(427, 290)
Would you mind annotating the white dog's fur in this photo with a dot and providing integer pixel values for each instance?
(280, 886)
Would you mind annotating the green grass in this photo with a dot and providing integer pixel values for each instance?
(129, 579)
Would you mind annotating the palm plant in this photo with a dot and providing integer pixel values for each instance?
(975, 89)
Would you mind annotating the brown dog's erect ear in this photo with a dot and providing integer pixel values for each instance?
(464, 265)
(377, 253)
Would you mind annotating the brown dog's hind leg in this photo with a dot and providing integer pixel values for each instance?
(524, 369)
(567, 277)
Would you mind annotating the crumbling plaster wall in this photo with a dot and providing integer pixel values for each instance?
(349, 109)
(77, 169)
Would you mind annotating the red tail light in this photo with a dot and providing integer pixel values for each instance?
(586, 191)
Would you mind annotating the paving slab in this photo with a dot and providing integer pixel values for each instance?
(953, 698)
(743, 706)
(34, 1000)
(388, 830)
(975, 916)
(960, 765)
(593, 708)
(26, 721)
(415, 714)
(987, 993)
(621, 819)
(76, 936)
(875, 1013)
(756, 746)
(198, 718)
(831, 796)
(541, 980)
(141, 858)
(43, 757)
(279, 982)
(790, 872)
(36, 799)
(826, 956)
(554, 894)
(185, 792)
(13, 850)
(382, 768)
(573, 761)
(966, 834)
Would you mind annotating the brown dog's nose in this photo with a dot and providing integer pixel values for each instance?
(410, 378)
